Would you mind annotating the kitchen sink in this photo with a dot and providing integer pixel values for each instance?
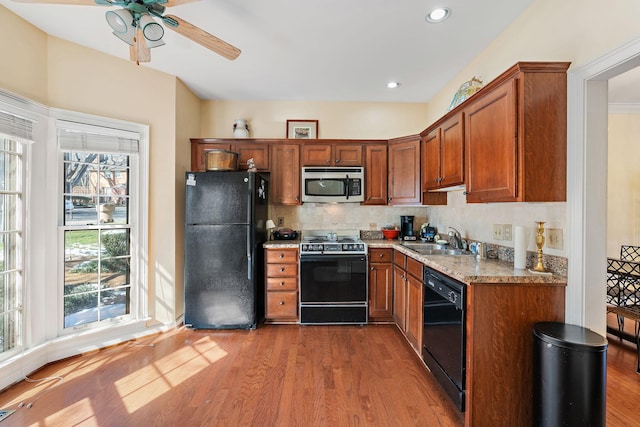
(434, 249)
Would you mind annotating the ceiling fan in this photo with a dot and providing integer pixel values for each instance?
(134, 24)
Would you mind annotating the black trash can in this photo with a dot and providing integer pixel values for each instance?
(569, 376)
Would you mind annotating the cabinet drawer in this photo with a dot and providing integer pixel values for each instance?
(282, 305)
(282, 270)
(399, 259)
(282, 255)
(282, 284)
(380, 255)
(414, 268)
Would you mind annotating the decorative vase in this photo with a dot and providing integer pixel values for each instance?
(240, 129)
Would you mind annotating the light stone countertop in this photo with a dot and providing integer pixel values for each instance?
(465, 268)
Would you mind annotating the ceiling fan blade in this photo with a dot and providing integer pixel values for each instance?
(200, 36)
(170, 3)
(139, 52)
(71, 2)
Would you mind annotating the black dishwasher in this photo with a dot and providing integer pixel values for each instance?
(443, 339)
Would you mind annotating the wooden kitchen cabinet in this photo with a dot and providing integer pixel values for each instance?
(256, 149)
(321, 154)
(500, 347)
(380, 285)
(399, 289)
(404, 171)
(281, 287)
(285, 174)
(414, 304)
(443, 154)
(516, 136)
(258, 152)
(375, 174)
(407, 298)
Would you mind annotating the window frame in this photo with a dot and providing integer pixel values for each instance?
(139, 309)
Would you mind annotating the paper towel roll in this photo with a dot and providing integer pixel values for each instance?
(520, 243)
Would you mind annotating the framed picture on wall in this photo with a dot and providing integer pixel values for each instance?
(302, 129)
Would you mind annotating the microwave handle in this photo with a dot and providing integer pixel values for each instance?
(348, 187)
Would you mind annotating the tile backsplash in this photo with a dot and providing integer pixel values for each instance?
(474, 221)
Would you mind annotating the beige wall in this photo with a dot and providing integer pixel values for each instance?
(623, 193)
(23, 68)
(348, 120)
(60, 74)
(549, 30)
(187, 125)
(78, 82)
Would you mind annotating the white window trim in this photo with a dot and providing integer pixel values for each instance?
(139, 245)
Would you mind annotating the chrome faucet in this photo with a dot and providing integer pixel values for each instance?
(457, 238)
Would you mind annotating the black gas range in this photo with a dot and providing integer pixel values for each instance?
(333, 278)
(331, 242)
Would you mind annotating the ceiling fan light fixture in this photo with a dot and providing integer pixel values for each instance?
(121, 20)
(151, 30)
(438, 14)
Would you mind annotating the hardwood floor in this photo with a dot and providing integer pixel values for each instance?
(276, 375)
(284, 375)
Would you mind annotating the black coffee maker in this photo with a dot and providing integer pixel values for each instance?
(406, 228)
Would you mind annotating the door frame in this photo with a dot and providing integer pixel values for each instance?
(587, 121)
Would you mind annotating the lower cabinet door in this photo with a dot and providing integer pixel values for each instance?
(282, 305)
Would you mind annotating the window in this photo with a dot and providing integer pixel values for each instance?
(98, 199)
(12, 197)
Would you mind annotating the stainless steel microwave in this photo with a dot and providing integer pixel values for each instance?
(333, 184)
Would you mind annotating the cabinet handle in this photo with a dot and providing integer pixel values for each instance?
(281, 283)
(297, 198)
(282, 255)
(381, 255)
(371, 268)
(282, 270)
(435, 179)
(328, 162)
(281, 302)
(337, 161)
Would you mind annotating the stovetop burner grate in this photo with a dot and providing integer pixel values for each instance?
(323, 241)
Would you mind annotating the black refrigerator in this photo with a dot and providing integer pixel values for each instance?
(225, 227)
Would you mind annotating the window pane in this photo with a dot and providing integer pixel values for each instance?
(8, 287)
(9, 174)
(11, 228)
(80, 309)
(81, 252)
(115, 302)
(97, 187)
(9, 212)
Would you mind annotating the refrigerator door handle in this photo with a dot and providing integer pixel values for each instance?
(249, 258)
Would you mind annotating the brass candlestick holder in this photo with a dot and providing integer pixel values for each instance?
(540, 243)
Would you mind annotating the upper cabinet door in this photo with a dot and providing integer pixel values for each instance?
(375, 170)
(452, 151)
(404, 171)
(431, 160)
(285, 174)
(316, 154)
(259, 154)
(491, 144)
(348, 155)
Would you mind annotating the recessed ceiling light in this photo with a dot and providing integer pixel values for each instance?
(393, 85)
(438, 14)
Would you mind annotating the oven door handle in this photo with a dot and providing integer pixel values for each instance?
(329, 257)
